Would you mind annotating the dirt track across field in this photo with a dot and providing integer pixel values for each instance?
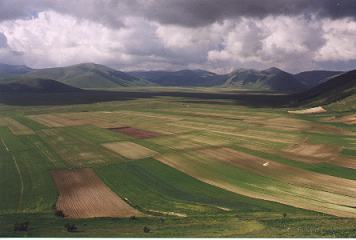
(82, 194)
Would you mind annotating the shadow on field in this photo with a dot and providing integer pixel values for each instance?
(94, 96)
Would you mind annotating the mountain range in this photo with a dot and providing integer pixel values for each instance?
(96, 76)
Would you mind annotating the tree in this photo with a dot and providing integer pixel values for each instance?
(59, 213)
(71, 227)
(146, 229)
(21, 227)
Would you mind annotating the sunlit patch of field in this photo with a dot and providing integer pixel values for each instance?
(130, 150)
(348, 119)
(15, 127)
(76, 150)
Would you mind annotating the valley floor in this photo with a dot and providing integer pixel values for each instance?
(176, 166)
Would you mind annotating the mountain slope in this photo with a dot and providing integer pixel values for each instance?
(314, 78)
(337, 88)
(9, 71)
(88, 75)
(181, 78)
(269, 79)
(36, 85)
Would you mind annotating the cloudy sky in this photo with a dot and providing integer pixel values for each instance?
(218, 35)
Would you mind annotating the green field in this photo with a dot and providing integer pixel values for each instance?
(221, 169)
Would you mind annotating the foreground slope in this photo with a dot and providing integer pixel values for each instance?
(314, 78)
(36, 85)
(88, 75)
(338, 88)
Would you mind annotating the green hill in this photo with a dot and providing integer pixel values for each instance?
(270, 79)
(88, 75)
(183, 78)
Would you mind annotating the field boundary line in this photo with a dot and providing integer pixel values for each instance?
(3, 142)
(21, 180)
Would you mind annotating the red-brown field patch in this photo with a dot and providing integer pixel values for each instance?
(135, 132)
(82, 194)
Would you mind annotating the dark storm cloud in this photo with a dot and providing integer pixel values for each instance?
(191, 13)
(203, 12)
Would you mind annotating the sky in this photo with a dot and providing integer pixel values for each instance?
(216, 35)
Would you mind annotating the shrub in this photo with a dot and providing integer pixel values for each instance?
(71, 227)
(21, 227)
(59, 213)
(146, 229)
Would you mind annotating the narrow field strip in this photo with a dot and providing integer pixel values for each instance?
(3, 142)
(83, 195)
(15, 127)
(20, 177)
(286, 173)
(240, 181)
(130, 150)
(21, 183)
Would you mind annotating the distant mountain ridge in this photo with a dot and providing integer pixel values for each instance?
(88, 75)
(91, 75)
(269, 79)
(182, 78)
(8, 71)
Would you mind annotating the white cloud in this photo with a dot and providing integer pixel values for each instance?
(291, 42)
(340, 38)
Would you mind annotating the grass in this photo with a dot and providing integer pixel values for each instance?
(151, 185)
(168, 192)
(26, 183)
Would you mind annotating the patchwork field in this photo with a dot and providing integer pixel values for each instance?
(182, 167)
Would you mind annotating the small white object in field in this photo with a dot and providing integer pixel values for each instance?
(309, 110)
(266, 164)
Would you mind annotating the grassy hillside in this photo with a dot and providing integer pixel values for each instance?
(270, 79)
(88, 75)
(181, 78)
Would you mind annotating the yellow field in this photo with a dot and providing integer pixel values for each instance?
(130, 150)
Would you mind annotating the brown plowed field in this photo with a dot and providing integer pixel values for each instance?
(134, 132)
(82, 194)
